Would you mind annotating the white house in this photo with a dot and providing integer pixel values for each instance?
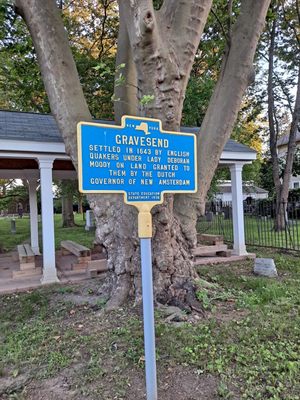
(224, 191)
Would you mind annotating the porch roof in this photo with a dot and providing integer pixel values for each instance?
(33, 130)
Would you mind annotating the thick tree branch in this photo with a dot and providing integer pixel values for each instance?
(225, 102)
(292, 144)
(273, 125)
(57, 66)
(185, 21)
(144, 38)
(141, 21)
(282, 85)
(230, 10)
(126, 92)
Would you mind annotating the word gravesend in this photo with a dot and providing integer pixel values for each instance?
(142, 141)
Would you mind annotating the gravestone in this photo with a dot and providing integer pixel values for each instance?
(209, 216)
(265, 267)
(89, 220)
(13, 226)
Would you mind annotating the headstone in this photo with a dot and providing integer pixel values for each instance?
(227, 212)
(89, 220)
(13, 226)
(209, 216)
(265, 267)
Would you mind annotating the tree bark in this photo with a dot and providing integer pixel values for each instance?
(126, 98)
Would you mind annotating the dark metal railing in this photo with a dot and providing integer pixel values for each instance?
(265, 224)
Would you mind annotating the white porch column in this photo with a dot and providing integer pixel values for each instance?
(49, 266)
(34, 232)
(239, 247)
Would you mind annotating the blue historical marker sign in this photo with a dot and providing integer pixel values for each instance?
(137, 158)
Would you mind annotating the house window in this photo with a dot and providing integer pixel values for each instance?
(296, 185)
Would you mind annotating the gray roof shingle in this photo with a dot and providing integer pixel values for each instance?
(28, 126)
(34, 127)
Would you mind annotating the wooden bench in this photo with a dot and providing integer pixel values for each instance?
(97, 268)
(26, 257)
(209, 251)
(27, 263)
(211, 239)
(82, 253)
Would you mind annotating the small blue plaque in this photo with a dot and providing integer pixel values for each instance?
(137, 158)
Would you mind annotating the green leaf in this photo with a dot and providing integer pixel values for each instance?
(146, 99)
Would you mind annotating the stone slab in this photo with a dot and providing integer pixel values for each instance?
(265, 267)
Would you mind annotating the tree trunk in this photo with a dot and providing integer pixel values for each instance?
(80, 207)
(291, 145)
(280, 221)
(281, 187)
(160, 73)
(67, 191)
(163, 47)
(67, 211)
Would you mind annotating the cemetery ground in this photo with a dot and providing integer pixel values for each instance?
(57, 342)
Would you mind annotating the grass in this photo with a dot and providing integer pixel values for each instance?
(249, 339)
(9, 241)
(258, 232)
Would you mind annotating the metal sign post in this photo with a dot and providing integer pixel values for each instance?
(142, 161)
(148, 311)
(145, 235)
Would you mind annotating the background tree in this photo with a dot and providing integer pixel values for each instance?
(157, 49)
(66, 189)
(282, 42)
(92, 28)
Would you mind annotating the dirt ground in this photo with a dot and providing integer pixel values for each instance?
(179, 383)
